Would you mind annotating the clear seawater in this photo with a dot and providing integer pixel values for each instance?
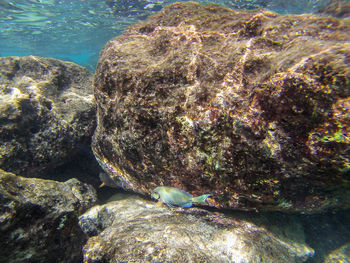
(76, 30)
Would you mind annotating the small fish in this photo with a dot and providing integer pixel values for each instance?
(176, 197)
(107, 180)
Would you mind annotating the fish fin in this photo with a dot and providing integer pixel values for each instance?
(101, 185)
(200, 199)
(187, 205)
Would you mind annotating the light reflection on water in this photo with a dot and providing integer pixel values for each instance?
(77, 30)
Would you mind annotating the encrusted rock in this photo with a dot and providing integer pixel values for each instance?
(252, 107)
(39, 219)
(136, 230)
(47, 112)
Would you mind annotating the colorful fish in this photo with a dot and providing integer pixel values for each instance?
(176, 197)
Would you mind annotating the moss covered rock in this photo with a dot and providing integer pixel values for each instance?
(252, 107)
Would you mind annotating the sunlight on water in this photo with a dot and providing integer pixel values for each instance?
(69, 30)
(77, 30)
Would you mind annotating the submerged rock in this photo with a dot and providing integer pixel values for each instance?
(47, 113)
(341, 254)
(337, 8)
(326, 233)
(251, 107)
(39, 219)
(135, 230)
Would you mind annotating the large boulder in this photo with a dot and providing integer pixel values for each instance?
(39, 219)
(47, 113)
(252, 107)
(136, 230)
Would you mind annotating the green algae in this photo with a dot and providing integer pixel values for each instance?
(338, 137)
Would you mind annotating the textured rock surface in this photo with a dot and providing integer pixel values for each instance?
(337, 8)
(46, 111)
(135, 230)
(252, 107)
(39, 219)
(340, 255)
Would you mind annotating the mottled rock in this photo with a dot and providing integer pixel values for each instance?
(47, 113)
(39, 219)
(136, 230)
(252, 107)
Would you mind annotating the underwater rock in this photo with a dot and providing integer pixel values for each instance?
(326, 233)
(337, 8)
(39, 219)
(47, 113)
(341, 254)
(251, 107)
(140, 231)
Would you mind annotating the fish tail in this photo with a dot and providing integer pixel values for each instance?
(200, 199)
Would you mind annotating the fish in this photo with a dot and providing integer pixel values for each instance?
(172, 196)
(107, 180)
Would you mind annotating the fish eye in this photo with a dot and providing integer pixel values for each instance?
(155, 195)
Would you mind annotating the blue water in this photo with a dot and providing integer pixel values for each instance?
(76, 30)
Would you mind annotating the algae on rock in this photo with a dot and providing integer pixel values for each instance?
(250, 106)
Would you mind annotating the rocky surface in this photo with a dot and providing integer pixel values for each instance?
(136, 230)
(39, 219)
(250, 106)
(47, 113)
(341, 254)
(337, 8)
